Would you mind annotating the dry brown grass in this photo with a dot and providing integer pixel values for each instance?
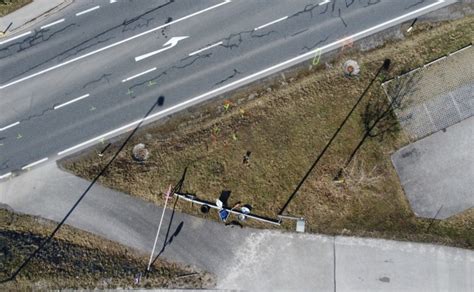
(8, 6)
(285, 129)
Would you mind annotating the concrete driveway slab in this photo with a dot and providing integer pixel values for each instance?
(437, 172)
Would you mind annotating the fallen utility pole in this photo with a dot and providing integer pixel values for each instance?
(159, 227)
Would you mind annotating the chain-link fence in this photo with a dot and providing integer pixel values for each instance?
(442, 96)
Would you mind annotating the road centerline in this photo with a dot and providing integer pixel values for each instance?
(205, 48)
(324, 2)
(9, 126)
(71, 101)
(52, 23)
(271, 22)
(88, 10)
(139, 74)
(111, 45)
(15, 37)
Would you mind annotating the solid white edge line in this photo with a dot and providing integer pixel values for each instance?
(34, 163)
(52, 23)
(324, 2)
(71, 101)
(277, 66)
(114, 44)
(15, 37)
(88, 10)
(206, 48)
(139, 74)
(434, 61)
(9, 126)
(5, 175)
(271, 22)
(458, 51)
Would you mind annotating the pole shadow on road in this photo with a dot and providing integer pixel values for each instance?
(159, 102)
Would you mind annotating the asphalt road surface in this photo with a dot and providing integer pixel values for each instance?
(95, 69)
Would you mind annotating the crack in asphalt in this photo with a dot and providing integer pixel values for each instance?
(414, 4)
(349, 4)
(342, 19)
(33, 116)
(4, 164)
(62, 58)
(298, 32)
(77, 47)
(236, 72)
(316, 44)
(31, 41)
(104, 76)
(371, 2)
(308, 8)
(234, 40)
(157, 77)
(139, 25)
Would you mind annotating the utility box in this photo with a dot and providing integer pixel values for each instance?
(300, 223)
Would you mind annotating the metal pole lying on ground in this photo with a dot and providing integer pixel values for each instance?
(159, 227)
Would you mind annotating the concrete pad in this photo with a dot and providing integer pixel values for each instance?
(35, 11)
(437, 172)
(385, 265)
(282, 261)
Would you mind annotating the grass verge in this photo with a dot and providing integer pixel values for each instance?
(77, 259)
(8, 6)
(285, 126)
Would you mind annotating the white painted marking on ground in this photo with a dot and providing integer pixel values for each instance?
(458, 51)
(71, 101)
(88, 10)
(52, 23)
(9, 126)
(15, 37)
(34, 163)
(435, 61)
(270, 23)
(206, 48)
(168, 45)
(139, 74)
(299, 58)
(113, 45)
(113, 1)
(324, 2)
(5, 175)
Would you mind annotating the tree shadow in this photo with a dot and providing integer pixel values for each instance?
(384, 67)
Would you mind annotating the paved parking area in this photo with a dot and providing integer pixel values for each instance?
(437, 172)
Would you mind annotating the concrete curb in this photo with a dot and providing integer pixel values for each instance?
(32, 20)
